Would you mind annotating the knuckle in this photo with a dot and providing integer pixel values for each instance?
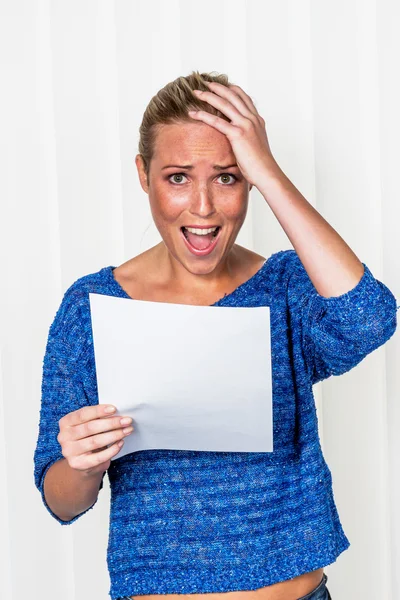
(92, 444)
(240, 133)
(66, 450)
(88, 427)
(96, 460)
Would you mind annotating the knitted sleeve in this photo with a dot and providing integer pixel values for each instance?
(338, 332)
(62, 389)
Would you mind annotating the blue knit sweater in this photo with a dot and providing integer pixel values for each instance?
(196, 521)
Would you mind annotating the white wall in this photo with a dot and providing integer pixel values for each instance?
(76, 77)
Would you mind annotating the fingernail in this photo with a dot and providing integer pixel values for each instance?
(109, 409)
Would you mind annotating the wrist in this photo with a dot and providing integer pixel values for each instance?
(271, 178)
(93, 475)
(86, 475)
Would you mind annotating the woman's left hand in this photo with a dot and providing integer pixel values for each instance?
(246, 132)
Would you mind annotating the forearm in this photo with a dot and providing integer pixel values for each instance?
(68, 491)
(332, 266)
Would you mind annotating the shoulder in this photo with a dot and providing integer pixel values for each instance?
(76, 296)
(71, 321)
(286, 261)
(92, 282)
(289, 276)
(284, 264)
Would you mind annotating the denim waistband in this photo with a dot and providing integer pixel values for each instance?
(320, 592)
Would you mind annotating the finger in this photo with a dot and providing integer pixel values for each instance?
(246, 99)
(92, 443)
(234, 91)
(96, 426)
(89, 461)
(84, 414)
(214, 121)
(233, 107)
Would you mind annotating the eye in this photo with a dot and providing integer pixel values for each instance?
(182, 174)
(229, 175)
(175, 175)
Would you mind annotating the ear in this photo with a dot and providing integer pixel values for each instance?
(142, 173)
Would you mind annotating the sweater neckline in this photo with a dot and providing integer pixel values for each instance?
(253, 279)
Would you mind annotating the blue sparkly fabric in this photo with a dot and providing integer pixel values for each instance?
(187, 522)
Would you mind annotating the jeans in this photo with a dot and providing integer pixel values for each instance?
(321, 592)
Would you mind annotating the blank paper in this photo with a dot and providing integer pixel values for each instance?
(191, 377)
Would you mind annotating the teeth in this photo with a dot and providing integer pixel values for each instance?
(201, 231)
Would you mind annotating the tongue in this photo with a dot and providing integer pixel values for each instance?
(200, 242)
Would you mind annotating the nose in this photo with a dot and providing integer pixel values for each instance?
(202, 204)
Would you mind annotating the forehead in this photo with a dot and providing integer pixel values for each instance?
(191, 142)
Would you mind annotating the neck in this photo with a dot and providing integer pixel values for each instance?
(195, 276)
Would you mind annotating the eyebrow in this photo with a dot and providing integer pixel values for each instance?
(216, 167)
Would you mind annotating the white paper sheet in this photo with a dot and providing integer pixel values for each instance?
(191, 377)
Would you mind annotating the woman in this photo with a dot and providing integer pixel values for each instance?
(198, 523)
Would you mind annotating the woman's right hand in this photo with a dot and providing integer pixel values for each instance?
(85, 434)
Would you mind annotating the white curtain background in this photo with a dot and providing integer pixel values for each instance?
(76, 76)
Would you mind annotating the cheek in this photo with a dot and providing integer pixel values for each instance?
(235, 210)
(166, 206)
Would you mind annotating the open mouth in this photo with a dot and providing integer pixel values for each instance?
(201, 241)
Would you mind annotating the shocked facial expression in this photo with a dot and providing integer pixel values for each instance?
(198, 196)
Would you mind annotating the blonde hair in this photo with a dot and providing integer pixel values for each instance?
(171, 105)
